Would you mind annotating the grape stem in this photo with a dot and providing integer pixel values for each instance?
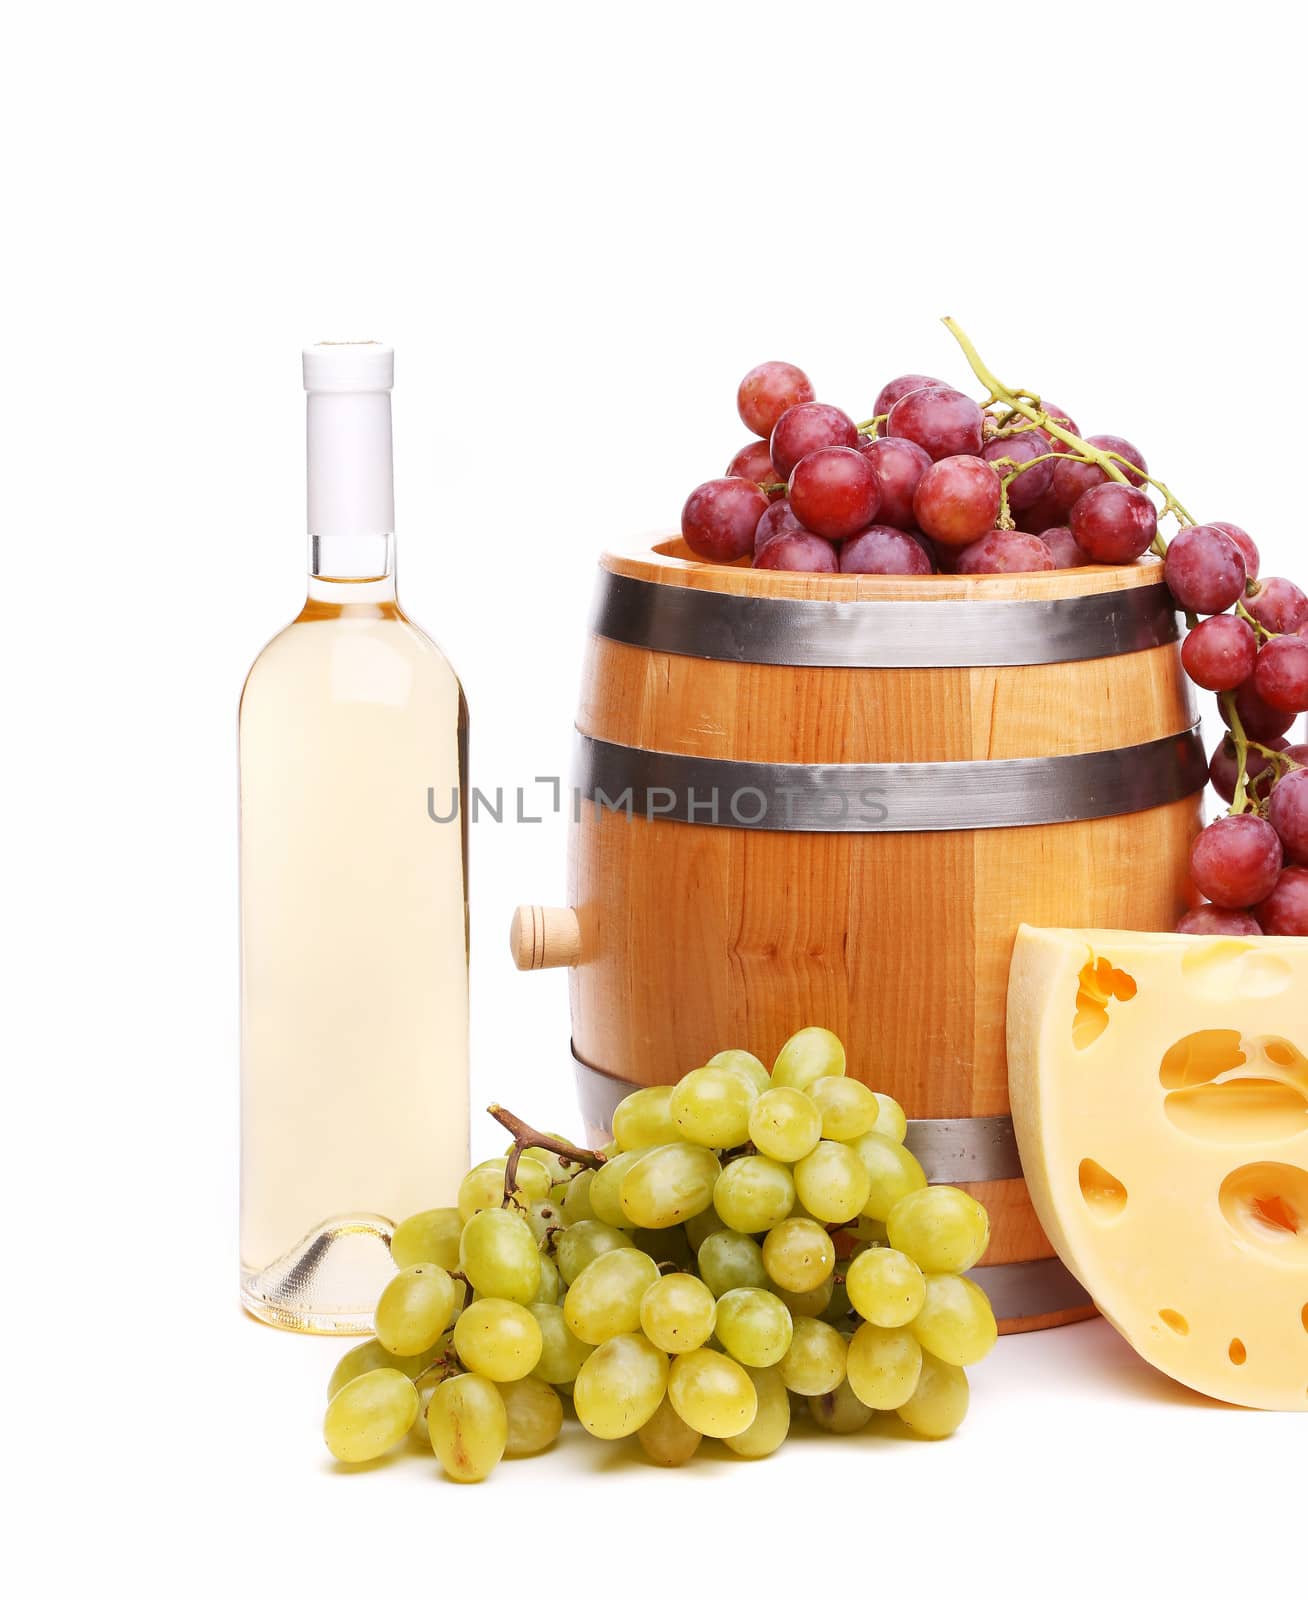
(1240, 802)
(527, 1138)
(1019, 402)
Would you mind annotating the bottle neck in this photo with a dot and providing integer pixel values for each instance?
(351, 494)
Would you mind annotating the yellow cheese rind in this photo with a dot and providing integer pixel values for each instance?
(1166, 1144)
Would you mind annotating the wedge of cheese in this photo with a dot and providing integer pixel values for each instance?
(1160, 1095)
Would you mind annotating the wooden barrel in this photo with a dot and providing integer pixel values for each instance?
(811, 799)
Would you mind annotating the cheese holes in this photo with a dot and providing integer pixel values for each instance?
(1175, 1321)
(1226, 1089)
(1237, 1353)
(1235, 969)
(1104, 1195)
(1100, 984)
(1303, 1317)
(1266, 1205)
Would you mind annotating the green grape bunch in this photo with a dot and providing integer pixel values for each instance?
(751, 1247)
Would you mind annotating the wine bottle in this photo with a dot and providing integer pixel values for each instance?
(354, 930)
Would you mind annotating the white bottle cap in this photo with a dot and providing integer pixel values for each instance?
(350, 367)
(350, 482)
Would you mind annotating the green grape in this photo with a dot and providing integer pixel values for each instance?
(620, 1386)
(891, 1120)
(815, 1362)
(606, 1187)
(785, 1124)
(415, 1308)
(710, 1107)
(771, 1422)
(806, 1056)
(838, 1307)
(429, 1379)
(885, 1287)
(534, 1413)
(699, 1227)
(562, 1353)
(939, 1403)
(483, 1188)
(892, 1171)
(678, 1313)
(943, 1229)
(869, 1232)
(428, 1236)
(956, 1324)
(839, 1411)
(576, 1202)
(583, 1242)
(666, 1439)
(551, 1284)
(848, 1107)
(604, 1299)
(884, 1364)
(798, 1255)
(748, 1066)
(753, 1194)
(559, 1168)
(754, 1326)
(368, 1357)
(370, 1415)
(644, 1119)
(499, 1256)
(832, 1183)
(542, 1215)
(669, 1184)
(807, 1302)
(712, 1393)
(667, 1246)
(499, 1339)
(468, 1426)
(730, 1260)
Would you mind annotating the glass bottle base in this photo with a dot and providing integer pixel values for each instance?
(329, 1282)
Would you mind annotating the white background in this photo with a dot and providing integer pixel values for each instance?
(579, 225)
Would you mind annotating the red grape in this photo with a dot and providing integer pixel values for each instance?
(1073, 478)
(1259, 720)
(805, 428)
(778, 518)
(1224, 773)
(943, 421)
(798, 552)
(897, 388)
(1220, 653)
(957, 500)
(1285, 910)
(1281, 606)
(1063, 547)
(1045, 513)
(1247, 548)
(1281, 675)
(768, 390)
(1204, 570)
(1005, 551)
(1113, 523)
(899, 465)
(1026, 489)
(834, 492)
(1287, 811)
(885, 550)
(754, 462)
(1296, 754)
(719, 519)
(1235, 861)
(1213, 919)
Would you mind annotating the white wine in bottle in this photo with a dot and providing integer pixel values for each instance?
(354, 930)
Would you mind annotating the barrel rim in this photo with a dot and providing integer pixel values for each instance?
(662, 558)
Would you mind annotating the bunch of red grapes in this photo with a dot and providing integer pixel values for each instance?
(935, 482)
